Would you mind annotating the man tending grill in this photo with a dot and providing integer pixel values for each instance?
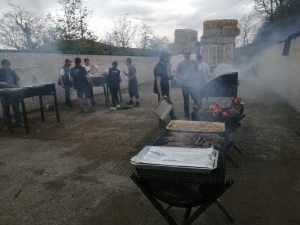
(65, 82)
(80, 80)
(9, 79)
(161, 82)
(187, 72)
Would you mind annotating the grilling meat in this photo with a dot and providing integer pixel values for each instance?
(194, 140)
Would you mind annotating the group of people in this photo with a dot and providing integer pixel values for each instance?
(191, 73)
(79, 78)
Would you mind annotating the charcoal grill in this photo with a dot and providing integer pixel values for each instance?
(225, 85)
(184, 189)
(28, 92)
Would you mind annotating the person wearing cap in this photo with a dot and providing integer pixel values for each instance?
(132, 84)
(161, 81)
(9, 79)
(86, 65)
(65, 82)
(187, 72)
(80, 81)
(113, 83)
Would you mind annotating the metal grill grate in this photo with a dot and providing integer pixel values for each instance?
(247, 167)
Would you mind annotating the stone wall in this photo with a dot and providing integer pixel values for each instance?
(45, 67)
(282, 73)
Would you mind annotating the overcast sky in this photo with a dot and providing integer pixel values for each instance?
(163, 16)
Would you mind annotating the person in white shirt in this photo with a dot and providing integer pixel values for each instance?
(86, 65)
(204, 74)
(203, 67)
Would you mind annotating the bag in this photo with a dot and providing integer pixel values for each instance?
(59, 82)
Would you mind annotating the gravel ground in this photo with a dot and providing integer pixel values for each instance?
(61, 172)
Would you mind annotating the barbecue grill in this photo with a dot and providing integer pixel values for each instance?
(12, 94)
(225, 85)
(184, 189)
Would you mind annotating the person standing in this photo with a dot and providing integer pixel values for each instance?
(204, 74)
(187, 72)
(88, 70)
(204, 69)
(9, 79)
(113, 83)
(132, 84)
(80, 80)
(65, 82)
(161, 81)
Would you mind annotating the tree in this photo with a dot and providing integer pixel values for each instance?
(272, 10)
(21, 29)
(122, 33)
(248, 25)
(71, 24)
(145, 35)
(158, 43)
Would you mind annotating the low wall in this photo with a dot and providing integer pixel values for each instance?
(282, 73)
(45, 67)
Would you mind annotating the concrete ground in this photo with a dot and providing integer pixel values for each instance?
(61, 172)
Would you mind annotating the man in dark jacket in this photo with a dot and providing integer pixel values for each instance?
(65, 82)
(113, 82)
(9, 79)
(81, 81)
(161, 82)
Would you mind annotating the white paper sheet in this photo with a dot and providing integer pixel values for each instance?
(176, 156)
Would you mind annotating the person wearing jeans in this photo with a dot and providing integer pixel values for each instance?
(9, 79)
(161, 82)
(65, 82)
(113, 82)
(187, 72)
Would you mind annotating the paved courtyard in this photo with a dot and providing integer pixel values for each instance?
(64, 173)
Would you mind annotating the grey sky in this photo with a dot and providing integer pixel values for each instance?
(163, 16)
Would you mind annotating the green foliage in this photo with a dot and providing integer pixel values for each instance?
(121, 34)
(158, 43)
(71, 24)
(145, 35)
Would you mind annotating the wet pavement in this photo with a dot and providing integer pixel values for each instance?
(64, 173)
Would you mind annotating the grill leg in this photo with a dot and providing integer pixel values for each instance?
(7, 106)
(25, 116)
(42, 108)
(223, 187)
(169, 207)
(224, 211)
(153, 200)
(187, 214)
(105, 95)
